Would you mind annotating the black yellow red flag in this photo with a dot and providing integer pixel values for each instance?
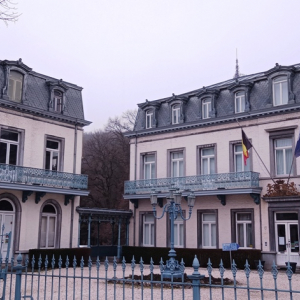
(246, 146)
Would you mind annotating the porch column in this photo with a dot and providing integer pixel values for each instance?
(79, 228)
(127, 232)
(113, 232)
(89, 231)
(119, 241)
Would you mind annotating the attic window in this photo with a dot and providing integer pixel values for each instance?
(15, 86)
(280, 90)
(57, 101)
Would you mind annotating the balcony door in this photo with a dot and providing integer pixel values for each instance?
(287, 237)
(7, 221)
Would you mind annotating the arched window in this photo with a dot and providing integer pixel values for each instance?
(58, 101)
(15, 86)
(239, 102)
(280, 90)
(175, 113)
(48, 226)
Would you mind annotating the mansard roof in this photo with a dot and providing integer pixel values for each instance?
(38, 94)
(258, 86)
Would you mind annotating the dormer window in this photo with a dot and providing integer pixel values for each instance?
(239, 102)
(149, 119)
(280, 90)
(15, 86)
(206, 108)
(58, 101)
(175, 113)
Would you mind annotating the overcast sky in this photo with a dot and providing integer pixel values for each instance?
(123, 52)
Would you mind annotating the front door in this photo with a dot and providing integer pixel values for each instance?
(7, 220)
(287, 237)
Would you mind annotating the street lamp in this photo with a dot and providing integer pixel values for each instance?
(172, 269)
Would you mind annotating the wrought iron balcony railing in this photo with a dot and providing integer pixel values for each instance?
(194, 183)
(33, 176)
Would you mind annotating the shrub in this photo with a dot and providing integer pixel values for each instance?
(188, 255)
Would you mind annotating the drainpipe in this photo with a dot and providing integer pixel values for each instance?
(135, 176)
(74, 172)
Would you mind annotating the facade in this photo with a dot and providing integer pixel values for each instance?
(192, 142)
(41, 128)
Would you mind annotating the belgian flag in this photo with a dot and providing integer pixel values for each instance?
(246, 146)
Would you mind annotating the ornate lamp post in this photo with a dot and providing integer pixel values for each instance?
(173, 207)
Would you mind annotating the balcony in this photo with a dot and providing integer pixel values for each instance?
(201, 184)
(32, 177)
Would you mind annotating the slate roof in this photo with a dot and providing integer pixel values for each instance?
(259, 98)
(38, 95)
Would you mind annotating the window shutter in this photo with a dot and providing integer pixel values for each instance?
(11, 89)
(18, 92)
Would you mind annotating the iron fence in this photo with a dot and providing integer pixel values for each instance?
(76, 279)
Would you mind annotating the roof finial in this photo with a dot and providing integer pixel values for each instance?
(237, 71)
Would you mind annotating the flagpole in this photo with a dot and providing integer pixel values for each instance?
(258, 155)
(291, 169)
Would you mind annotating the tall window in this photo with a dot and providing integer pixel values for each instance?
(175, 113)
(9, 147)
(178, 232)
(207, 161)
(52, 160)
(280, 90)
(209, 230)
(148, 230)
(239, 102)
(206, 108)
(283, 155)
(239, 165)
(58, 101)
(149, 166)
(48, 227)
(244, 230)
(177, 164)
(15, 86)
(149, 119)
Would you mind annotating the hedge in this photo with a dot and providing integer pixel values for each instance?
(62, 252)
(188, 254)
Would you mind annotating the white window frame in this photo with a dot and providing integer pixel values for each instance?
(175, 113)
(151, 164)
(151, 230)
(52, 151)
(47, 216)
(12, 86)
(149, 119)
(240, 101)
(58, 101)
(179, 223)
(206, 108)
(283, 149)
(209, 158)
(177, 162)
(9, 143)
(280, 80)
(209, 223)
(240, 154)
(244, 223)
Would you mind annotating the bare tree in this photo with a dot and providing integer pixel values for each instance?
(106, 162)
(8, 11)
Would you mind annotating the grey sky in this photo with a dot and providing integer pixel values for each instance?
(123, 52)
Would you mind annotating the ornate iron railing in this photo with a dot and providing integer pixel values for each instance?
(194, 183)
(33, 176)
